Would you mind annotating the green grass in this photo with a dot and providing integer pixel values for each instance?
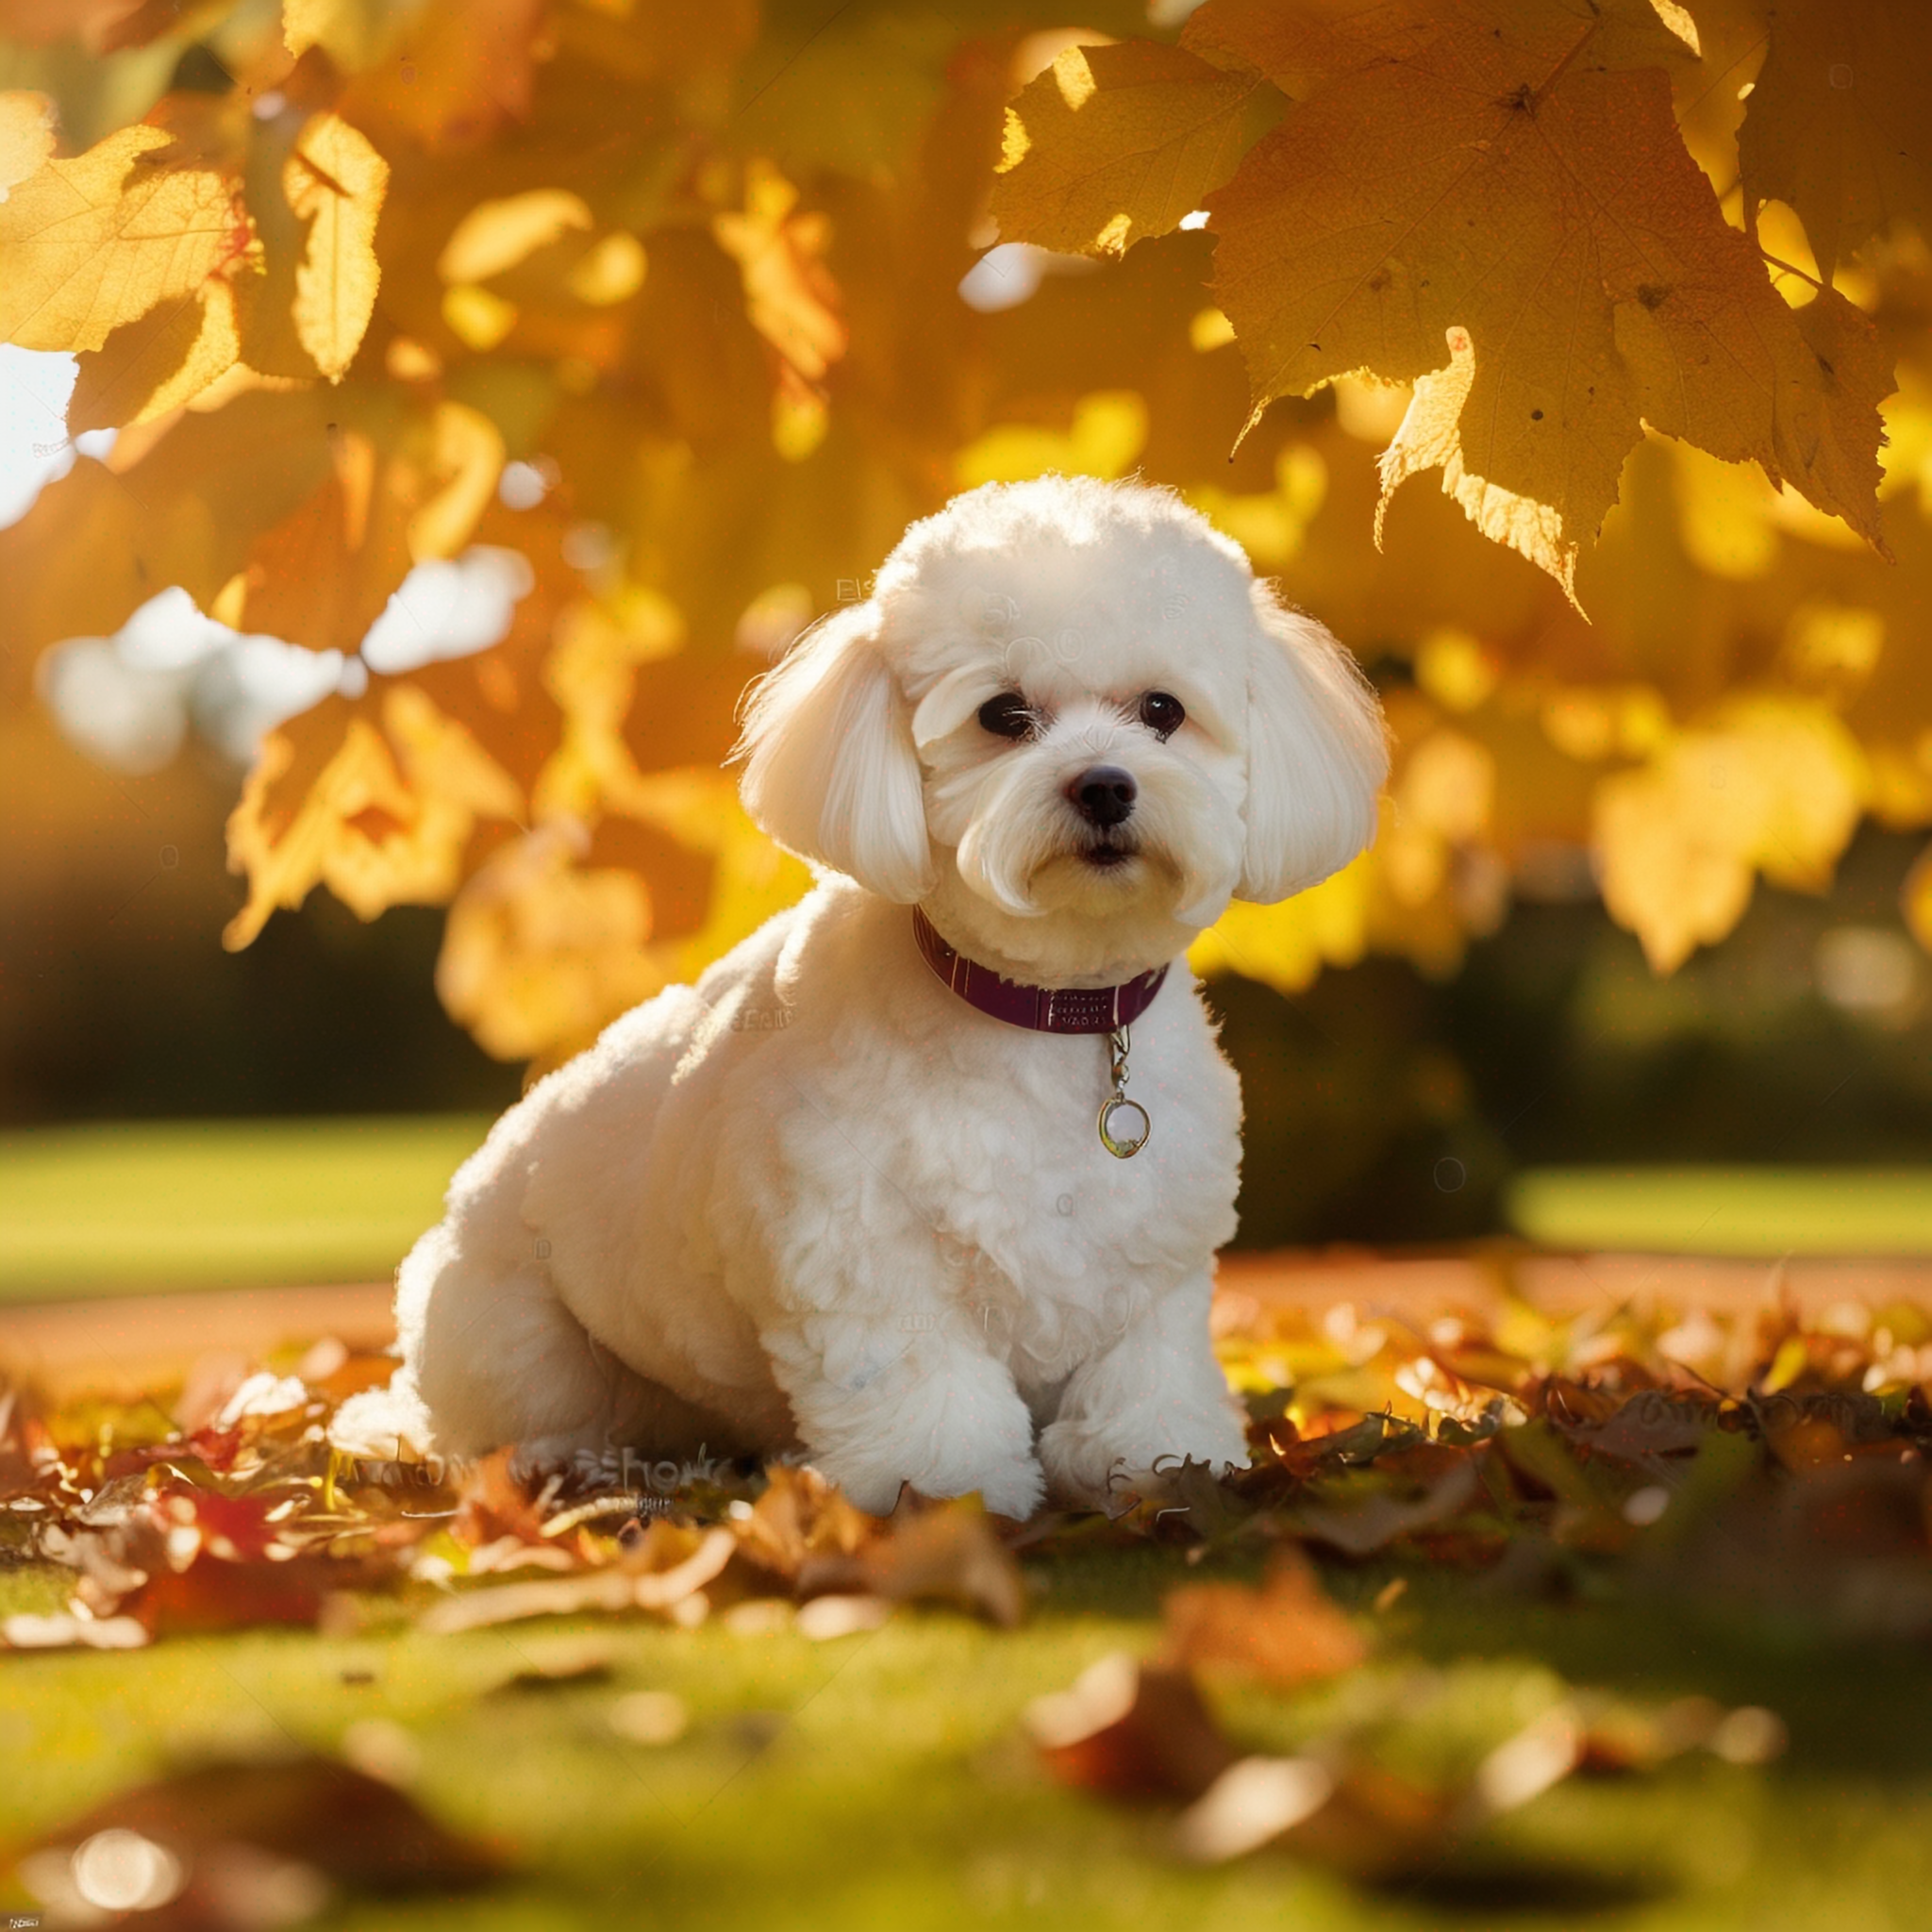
(187, 1205)
(179, 1204)
(1727, 1210)
(881, 1780)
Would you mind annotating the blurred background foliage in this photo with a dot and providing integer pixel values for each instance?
(540, 368)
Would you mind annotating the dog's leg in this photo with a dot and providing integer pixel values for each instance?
(490, 1358)
(1157, 1391)
(923, 1403)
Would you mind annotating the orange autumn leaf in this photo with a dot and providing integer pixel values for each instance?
(323, 575)
(1287, 1632)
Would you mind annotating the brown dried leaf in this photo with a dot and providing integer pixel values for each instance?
(1130, 1730)
(1287, 1632)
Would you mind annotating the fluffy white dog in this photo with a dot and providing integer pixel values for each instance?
(847, 1194)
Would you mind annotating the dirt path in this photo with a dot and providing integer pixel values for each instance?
(125, 1343)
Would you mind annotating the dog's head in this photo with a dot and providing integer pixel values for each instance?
(1067, 706)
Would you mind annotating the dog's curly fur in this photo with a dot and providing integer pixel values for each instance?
(817, 1201)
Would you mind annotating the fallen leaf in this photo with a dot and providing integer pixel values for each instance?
(1287, 1632)
(1130, 1730)
(310, 1811)
(1361, 1514)
(1251, 1804)
(632, 1586)
(947, 1555)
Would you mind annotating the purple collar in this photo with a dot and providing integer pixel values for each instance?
(1044, 1008)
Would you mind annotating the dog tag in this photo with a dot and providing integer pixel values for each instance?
(1124, 1124)
(1123, 1128)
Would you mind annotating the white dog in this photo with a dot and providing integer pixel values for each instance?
(847, 1193)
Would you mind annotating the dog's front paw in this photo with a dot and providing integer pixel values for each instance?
(1084, 1464)
(1011, 1488)
(1017, 1492)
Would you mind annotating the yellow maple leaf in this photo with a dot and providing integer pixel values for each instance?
(322, 573)
(159, 361)
(1915, 898)
(383, 823)
(1286, 945)
(1835, 124)
(496, 235)
(1508, 175)
(89, 244)
(1429, 437)
(539, 952)
(1774, 786)
(335, 180)
(26, 136)
(1113, 144)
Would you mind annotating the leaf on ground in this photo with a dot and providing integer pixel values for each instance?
(666, 1573)
(1287, 1632)
(244, 1844)
(1367, 1512)
(1517, 176)
(1130, 1730)
(91, 243)
(804, 1532)
(947, 1553)
(492, 1503)
(1113, 144)
(1361, 1819)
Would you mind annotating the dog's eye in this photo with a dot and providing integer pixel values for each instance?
(1162, 714)
(1006, 716)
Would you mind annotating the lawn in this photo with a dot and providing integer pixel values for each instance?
(881, 1779)
(105, 1210)
(887, 1778)
(120, 1208)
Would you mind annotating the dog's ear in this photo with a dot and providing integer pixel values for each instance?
(1317, 755)
(831, 772)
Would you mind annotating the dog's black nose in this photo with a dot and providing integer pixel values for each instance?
(1104, 794)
